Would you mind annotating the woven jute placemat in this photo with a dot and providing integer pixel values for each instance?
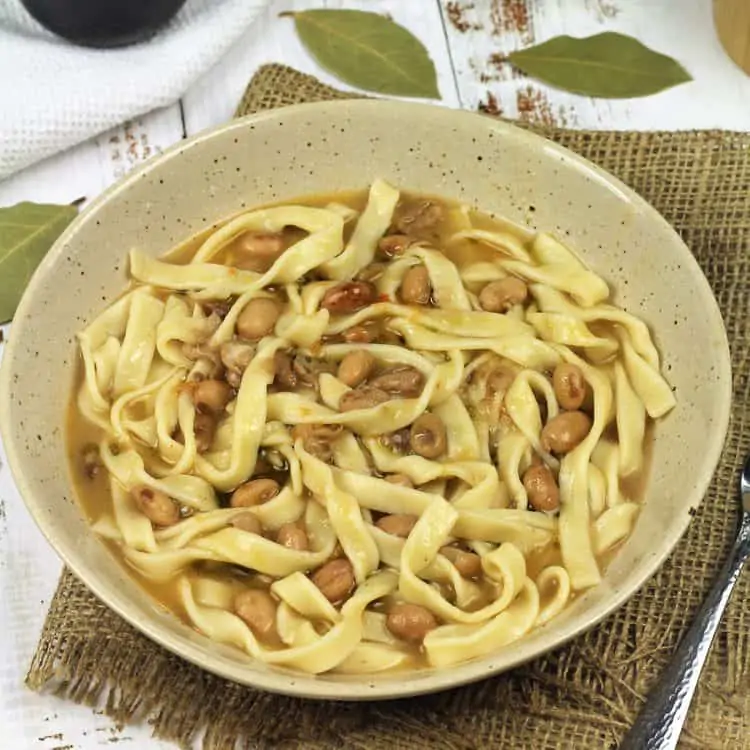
(584, 695)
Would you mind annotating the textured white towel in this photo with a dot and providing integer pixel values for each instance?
(54, 94)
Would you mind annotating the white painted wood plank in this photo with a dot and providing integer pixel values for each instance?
(29, 569)
(85, 170)
(213, 99)
(480, 30)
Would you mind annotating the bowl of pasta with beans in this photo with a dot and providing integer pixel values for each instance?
(363, 399)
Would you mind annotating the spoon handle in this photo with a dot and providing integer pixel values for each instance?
(659, 724)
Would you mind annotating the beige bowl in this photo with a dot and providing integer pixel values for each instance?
(322, 147)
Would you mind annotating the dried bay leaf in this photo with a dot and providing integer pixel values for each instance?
(368, 51)
(608, 65)
(27, 231)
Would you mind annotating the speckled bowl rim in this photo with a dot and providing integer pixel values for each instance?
(428, 681)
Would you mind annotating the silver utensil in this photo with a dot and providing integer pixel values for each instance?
(659, 724)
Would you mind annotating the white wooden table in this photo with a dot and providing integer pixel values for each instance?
(462, 37)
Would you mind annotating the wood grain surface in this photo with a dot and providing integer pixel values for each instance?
(467, 40)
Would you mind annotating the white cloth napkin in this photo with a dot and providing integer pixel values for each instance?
(54, 94)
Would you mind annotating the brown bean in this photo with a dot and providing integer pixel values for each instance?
(220, 308)
(364, 397)
(204, 428)
(500, 296)
(335, 580)
(284, 374)
(565, 431)
(318, 439)
(398, 524)
(349, 296)
(404, 381)
(257, 252)
(541, 488)
(399, 479)
(419, 219)
(91, 460)
(371, 272)
(258, 318)
(157, 506)
(254, 492)
(569, 385)
(394, 244)
(247, 522)
(257, 609)
(410, 622)
(365, 333)
(355, 368)
(211, 396)
(415, 286)
(427, 436)
(260, 244)
(292, 536)
(468, 564)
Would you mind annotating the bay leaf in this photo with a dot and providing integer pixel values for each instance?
(27, 231)
(368, 51)
(607, 65)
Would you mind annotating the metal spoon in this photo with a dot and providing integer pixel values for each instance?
(659, 724)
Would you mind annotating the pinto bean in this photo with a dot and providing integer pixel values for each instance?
(335, 580)
(364, 333)
(399, 479)
(318, 439)
(349, 296)
(284, 374)
(247, 522)
(260, 244)
(541, 488)
(468, 564)
(254, 492)
(292, 536)
(415, 286)
(419, 219)
(500, 296)
(569, 385)
(410, 622)
(427, 436)
(371, 272)
(91, 460)
(404, 381)
(356, 367)
(398, 524)
(257, 609)
(364, 397)
(211, 396)
(565, 431)
(394, 244)
(157, 506)
(204, 428)
(258, 318)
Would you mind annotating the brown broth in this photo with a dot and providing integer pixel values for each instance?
(94, 495)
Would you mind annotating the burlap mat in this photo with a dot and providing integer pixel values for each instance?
(582, 696)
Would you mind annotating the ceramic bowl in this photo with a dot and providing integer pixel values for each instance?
(311, 148)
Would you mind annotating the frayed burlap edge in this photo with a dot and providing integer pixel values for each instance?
(584, 695)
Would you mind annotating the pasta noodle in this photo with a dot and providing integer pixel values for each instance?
(365, 433)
